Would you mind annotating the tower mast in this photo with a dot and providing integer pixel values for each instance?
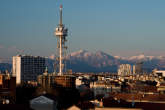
(61, 33)
(60, 15)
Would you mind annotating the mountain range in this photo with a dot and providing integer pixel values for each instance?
(85, 61)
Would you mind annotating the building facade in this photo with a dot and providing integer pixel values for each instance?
(7, 89)
(124, 70)
(160, 73)
(27, 68)
(52, 80)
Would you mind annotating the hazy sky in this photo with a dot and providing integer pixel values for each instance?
(117, 27)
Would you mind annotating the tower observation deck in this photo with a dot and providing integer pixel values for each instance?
(61, 34)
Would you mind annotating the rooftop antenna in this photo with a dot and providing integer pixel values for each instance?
(61, 33)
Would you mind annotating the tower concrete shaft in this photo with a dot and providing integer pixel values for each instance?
(61, 33)
(61, 58)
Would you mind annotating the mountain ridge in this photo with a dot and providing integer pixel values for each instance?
(99, 61)
(104, 62)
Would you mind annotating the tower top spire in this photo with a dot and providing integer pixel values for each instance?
(61, 15)
(60, 6)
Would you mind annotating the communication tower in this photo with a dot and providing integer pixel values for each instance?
(61, 34)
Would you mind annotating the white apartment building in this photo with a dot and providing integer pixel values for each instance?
(124, 70)
(27, 68)
(159, 72)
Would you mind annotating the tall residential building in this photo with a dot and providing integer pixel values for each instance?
(27, 68)
(124, 70)
(134, 69)
(137, 69)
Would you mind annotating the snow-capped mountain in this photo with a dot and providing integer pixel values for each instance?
(99, 58)
(141, 57)
(81, 53)
(92, 62)
(101, 61)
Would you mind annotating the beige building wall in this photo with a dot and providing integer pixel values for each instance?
(16, 68)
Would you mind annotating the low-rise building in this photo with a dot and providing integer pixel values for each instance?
(7, 89)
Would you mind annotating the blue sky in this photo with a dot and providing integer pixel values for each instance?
(117, 27)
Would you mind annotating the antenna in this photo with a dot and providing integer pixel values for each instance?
(61, 33)
(60, 15)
